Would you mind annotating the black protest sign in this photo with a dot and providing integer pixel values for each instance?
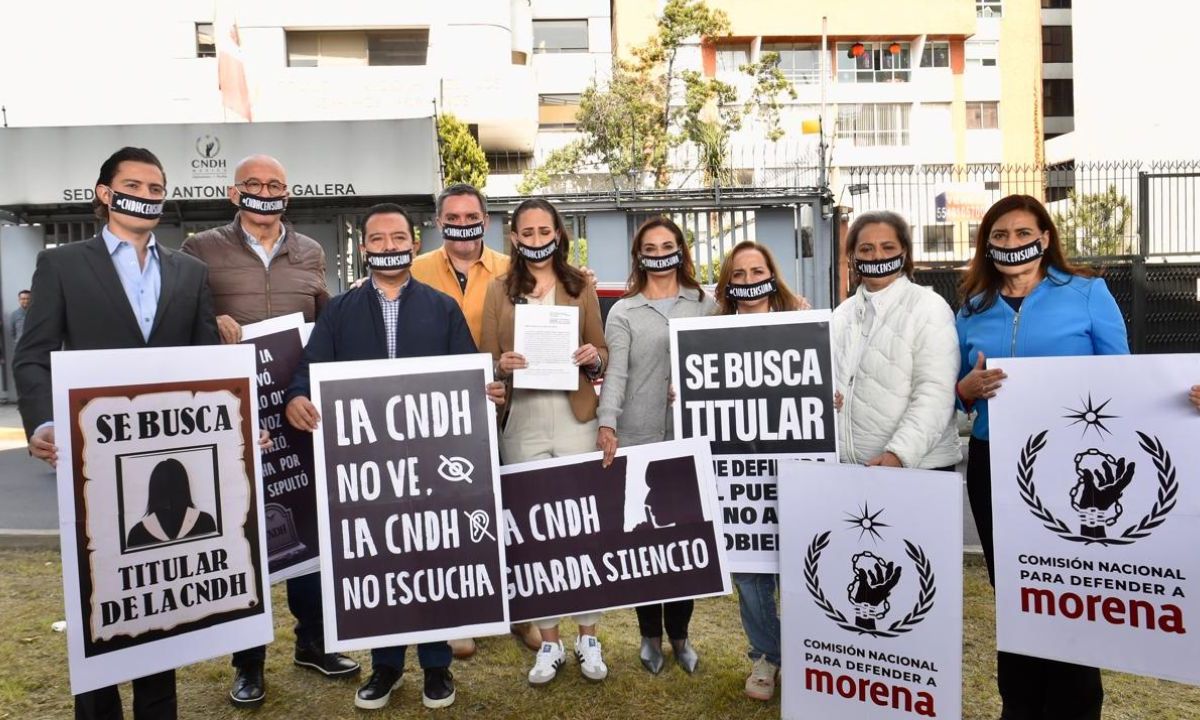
(289, 478)
(409, 501)
(582, 538)
(755, 384)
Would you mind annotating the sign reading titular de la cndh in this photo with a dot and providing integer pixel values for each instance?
(1095, 504)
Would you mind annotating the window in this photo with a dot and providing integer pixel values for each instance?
(730, 58)
(876, 64)
(206, 41)
(988, 8)
(559, 36)
(972, 231)
(983, 115)
(1058, 98)
(558, 111)
(936, 54)
(873, 125)
(397, 47)
(981, 53)
(508, 163)
(1056, 4)
(1056, 43)
(938, 238)
(800, 62)
(357, 47)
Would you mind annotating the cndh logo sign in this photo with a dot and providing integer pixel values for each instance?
(208, 147)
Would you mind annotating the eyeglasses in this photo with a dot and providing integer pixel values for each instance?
(254, 187)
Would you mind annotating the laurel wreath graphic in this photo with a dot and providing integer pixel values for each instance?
(922, 607)
(1168, 489)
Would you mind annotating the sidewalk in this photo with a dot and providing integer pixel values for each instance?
(28, 493)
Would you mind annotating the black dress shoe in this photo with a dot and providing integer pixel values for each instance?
(314, 657)
(248, 689)
(378, 688)
(439, 688)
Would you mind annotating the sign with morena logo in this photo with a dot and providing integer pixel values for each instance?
(1095, 507)
(871, 591)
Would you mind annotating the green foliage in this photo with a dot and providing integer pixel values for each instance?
(630, 125)
(579, 252)
(463, 160)
(1095, 224)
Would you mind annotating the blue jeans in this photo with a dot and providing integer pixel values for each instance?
(430, 655)
(760, 613)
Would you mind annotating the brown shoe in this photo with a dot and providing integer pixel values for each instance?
(528, 634)
(463, 648)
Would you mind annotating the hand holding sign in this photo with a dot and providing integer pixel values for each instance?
(980, 382)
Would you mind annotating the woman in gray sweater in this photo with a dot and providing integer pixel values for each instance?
(634, 403)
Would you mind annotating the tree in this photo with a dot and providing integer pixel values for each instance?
(1095, 224)
(463, 160)
(630, 125)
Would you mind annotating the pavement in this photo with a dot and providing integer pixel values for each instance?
(29, 495)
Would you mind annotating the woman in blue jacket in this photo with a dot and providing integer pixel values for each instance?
(1021, 298)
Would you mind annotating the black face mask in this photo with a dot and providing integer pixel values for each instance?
(396, 260)
(662, 263)
(135, 206)
(1016, 256)
(879, 268)
(538, 254)
(262, 205)
(463, 233)
(755, 291)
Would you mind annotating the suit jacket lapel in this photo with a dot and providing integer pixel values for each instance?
(106, 274)
(168, 269)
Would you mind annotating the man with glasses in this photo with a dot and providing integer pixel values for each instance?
(259, 267)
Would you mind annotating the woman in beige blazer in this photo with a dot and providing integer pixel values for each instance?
(541, 424)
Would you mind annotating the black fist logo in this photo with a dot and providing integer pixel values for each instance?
(874, 580)
(1096, 496)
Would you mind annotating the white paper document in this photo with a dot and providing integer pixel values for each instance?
(547, 335)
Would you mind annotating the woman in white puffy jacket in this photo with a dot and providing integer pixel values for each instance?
(896, 356)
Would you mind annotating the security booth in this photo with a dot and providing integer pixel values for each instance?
(335, 171)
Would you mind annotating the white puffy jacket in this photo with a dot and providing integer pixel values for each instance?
(900, 396)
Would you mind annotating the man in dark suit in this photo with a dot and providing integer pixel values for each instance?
(120, 289)
(392, 315)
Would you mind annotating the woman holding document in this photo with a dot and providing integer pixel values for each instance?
(749, 282)
(541, 323)
(634, 405)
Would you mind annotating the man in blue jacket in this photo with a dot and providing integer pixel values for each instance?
(392, 315)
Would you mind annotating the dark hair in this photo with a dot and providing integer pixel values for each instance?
(882, 217)
(24, 292)
(458, 189)
(382, 209)
(685, 274)
(519, 281)
(782, 299)
(108, 171)
(981, 284)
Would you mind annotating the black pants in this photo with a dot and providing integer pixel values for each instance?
(304, 600)
(153, 699)
(1030, 688)
(674, 615)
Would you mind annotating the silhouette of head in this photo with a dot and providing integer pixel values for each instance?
(170, 494)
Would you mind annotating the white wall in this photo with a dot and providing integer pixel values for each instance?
(133, 62)
(1135, 92)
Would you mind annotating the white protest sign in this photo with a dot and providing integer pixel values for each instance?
(871, 592)
(1096, 510)
(164, 560)
(760, 387)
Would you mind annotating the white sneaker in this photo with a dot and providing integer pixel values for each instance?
(591, 661)
(761, 683)
(549, 659)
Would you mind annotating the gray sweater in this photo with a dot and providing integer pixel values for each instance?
(633, 400)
